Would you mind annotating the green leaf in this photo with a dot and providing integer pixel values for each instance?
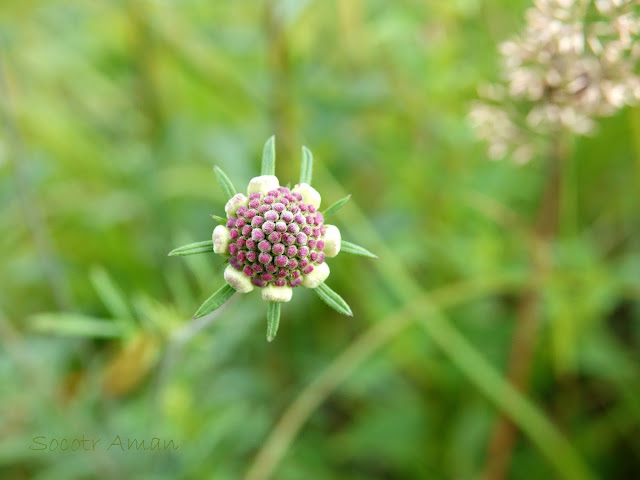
(336, 206)
(332, 299)
(349, 247)
(306, 169)
(269, 157)
(227, 187)
(220, 220)
(273, 319)
(193, 248)
(76, 325)
(215, 301)
(109, 293)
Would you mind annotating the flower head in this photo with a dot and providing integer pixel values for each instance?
(275, 239)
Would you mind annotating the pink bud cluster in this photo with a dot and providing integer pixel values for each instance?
(276, 239)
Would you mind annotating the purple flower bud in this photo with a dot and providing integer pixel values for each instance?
(295, 273)
(257, 234)
(257, 268)
(235, 263)
(270, 268)
(320, 244)
(278, 207)
(246, 230)
(233, 234)
(313, 256)
(255, 195)
(292, 264)
(321, 257)
(299, 218)
(259, 282)
(311, 208)
(294, 209)
(250, 214)
(272, 193)
(283, 201)
(231, 222)
(307, 230)
(301, 239)
(281, 227)
(264, 246)
(283, 190)
(294, 282)
(323, 230)
(275, 237)
(283, 272)
(240, 222)
(248, 271)
(268, 227)
(266, 277)
(264, 258)
(297, 196)
(241, 242)
(319, 218)
(271, 215)
(286, 217)
(252, 256)
(303, 252)
(288, 239)
(233, 249)
(311, 243)
(280, 282)
(316, 232)
(293, 228)
(308, 269)
(310, 219)
(303, 207)
(278, 249)
(292, 251)
(251, 244)
(242, 256)
(281, 261)
(302, 264)
(257, 221)
(255, 203)
(269, 199)
(241, 211)
(262, 209)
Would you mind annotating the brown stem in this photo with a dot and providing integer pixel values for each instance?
(504, 433)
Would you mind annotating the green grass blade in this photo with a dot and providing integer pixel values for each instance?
(215, 301)
(335, 207)
(306, 170)
(354, 249)
(273, 319)
(269, 157)
(332, 299)
(227, 187)
(76, 325)
(192, 248)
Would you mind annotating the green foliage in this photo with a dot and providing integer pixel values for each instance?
(215, 301)
(269, 157)
(332, 299)
(349, 247)
(205, 246)
(106, 149)
(273, 319)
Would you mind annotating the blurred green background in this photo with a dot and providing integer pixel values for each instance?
(114, 113)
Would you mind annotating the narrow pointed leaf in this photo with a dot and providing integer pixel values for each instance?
(193, 248)
(215, 301)
(349, 247)
(220, 220)
(227, 187)
(306, 169)
(332, 299)
(269, 157)
(112, 297)
(336, 206)
(273, 319)
(76, 325)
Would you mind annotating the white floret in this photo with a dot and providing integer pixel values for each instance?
(238, 280)
(315, 278)
(310, 195)
(263, 184)
(332, 241)
(221, 239)
(272, 293)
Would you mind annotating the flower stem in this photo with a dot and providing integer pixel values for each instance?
(504, 432)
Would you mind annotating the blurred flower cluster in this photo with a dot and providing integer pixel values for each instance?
(576, 60)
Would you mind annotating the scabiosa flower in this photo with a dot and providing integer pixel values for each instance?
(275, 239)
(577, 60)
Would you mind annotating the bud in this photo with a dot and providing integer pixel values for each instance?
(275, 293)
(221, 238)
(310, 195)
(238, 279)
(332, 241)
(235, 203)
(316, 277)
(263, 184)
